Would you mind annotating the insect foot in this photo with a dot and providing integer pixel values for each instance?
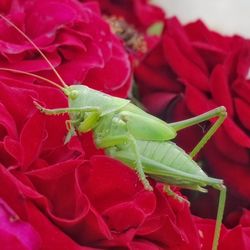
(143, 178)
(39, 107)
(145, 182)
(50, 111)
(171, 193)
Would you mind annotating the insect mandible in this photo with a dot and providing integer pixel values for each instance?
(137, 138)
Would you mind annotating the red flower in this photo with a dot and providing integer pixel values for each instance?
(74, 37)
(14, 232)
(72, 196)
(237, 237)
(75, 193)
(140, 13)
(130, 20)
(194, 70)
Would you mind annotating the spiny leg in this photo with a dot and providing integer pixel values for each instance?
(170, 192)
(219, 112)
(221, 206)
(89, 121)
(139, 167)
(111, 141)
(59, 111)
(71, 130)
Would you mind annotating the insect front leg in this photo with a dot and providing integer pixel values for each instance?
(112, 141)
(89, 121)
(219, 112)
(71, 130)
(81, 124)
(85, 123)
(60, 111)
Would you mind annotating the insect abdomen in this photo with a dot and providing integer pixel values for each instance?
(169, 154)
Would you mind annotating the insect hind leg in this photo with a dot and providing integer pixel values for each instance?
(171, 193)
(139, 167)
(222, 199)
(221, 115)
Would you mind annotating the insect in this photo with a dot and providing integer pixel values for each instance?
(137, 138)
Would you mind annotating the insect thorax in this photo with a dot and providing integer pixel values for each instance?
(93, 98)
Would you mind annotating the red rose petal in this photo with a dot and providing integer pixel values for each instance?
(178, 33)
(156, 78)
(194, 97)
(143, 244)
(147, 13)
(242, 88)
(41, 11)
(229, 147)
(237, 238)
(69, 208)
(13, 148)
(235, 175)
(206, 231)
(186, 70)
(237, 135)
(16, 200)
(114, 177)
(123, 217)
(220, 89)
(158, 101)
(31, 139)
(5, 158)
(243, 60)
(47, 229)
(15, 233)
(48, 181)
(245, 218)
(7, 122)
(243, 111)
(18, 102)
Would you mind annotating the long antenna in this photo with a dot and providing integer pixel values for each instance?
(36, 47)
(33, 75)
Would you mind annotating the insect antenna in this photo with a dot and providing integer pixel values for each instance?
(40, 52)
(33, 75)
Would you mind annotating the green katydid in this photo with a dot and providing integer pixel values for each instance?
(137, 138)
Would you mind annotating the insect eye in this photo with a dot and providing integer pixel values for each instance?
(73, 94)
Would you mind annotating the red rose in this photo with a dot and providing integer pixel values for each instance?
(140, 13)
(131, 21)
(14, 232)
(194, 70)
(72, 196)
(76, 40)
(73, 192)
(237, 237)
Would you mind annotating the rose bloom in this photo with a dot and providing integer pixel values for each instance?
(76, 40)
(133, 21)
(191, 71)
(236, 238)
(57, 196)
(140, 13)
